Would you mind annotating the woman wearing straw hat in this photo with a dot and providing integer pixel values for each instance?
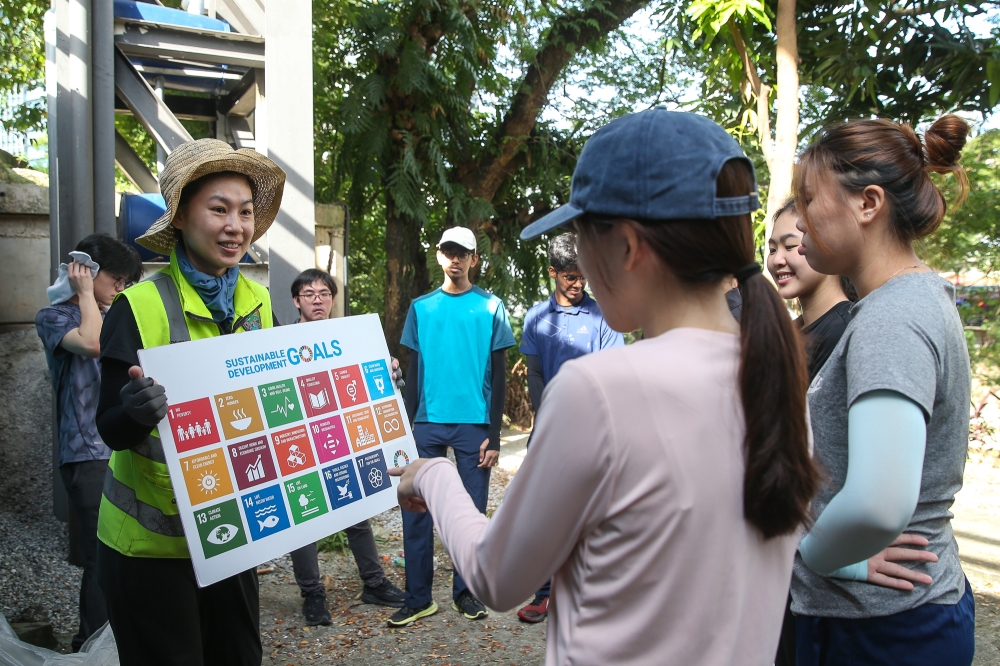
(218, 201)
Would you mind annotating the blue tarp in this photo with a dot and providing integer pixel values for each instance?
(144, 11)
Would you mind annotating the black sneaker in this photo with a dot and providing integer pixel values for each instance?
(406, 615)
(386, 594)
(314, 610)
(469, 606)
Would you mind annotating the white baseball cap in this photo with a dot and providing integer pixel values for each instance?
(460, 236)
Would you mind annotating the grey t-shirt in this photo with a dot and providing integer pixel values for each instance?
(906, 336)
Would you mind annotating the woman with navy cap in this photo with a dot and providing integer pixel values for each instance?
(667, 480)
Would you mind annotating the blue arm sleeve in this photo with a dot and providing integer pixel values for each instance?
(886, 436)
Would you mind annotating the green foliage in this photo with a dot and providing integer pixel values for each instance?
(908, 61)
(968, 242)
(711, 16)
(333, 543)
(22, 61)
(410, 96)
(969, 237)
(904, 61)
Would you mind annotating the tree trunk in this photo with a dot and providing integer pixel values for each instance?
(786, 125)
(406, 275)
(483, 177)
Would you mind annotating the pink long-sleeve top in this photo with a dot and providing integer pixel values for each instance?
(631, 499)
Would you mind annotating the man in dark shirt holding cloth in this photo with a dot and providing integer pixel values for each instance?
(70, 330)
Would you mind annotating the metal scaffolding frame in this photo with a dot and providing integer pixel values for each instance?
(100, 64)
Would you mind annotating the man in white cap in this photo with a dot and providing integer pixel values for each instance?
(457, 378)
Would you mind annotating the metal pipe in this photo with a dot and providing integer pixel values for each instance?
(103, 96)
(51, 92)
(81, 122)
(347, 248)
(161, 155)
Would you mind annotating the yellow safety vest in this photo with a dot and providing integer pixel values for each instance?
(138, 509)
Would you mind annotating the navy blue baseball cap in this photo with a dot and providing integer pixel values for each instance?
(652, 165)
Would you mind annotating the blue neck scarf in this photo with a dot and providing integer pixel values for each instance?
(216, 292)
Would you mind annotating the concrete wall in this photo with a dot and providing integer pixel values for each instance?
(330, 248)
(24, 252)
(25, 423)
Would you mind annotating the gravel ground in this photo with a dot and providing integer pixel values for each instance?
(359, 634)
(33, 544)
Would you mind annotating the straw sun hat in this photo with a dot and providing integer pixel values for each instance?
(194, 159)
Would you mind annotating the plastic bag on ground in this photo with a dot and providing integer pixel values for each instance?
(99, 650)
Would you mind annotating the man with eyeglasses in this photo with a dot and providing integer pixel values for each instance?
(70, 329)
(313, 293)
(565, 326)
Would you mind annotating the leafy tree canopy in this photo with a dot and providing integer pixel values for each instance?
(22, 62)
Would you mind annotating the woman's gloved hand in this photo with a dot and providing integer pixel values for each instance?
(144, 400)
(397, 374)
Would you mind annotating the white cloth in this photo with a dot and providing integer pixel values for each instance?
(61, 290)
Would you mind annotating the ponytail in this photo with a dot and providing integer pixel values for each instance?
(780, 478)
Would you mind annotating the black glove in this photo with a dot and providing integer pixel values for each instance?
(397, 373)
(144, 401)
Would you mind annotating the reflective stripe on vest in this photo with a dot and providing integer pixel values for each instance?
(116, 492)
(172, 304)
(146, 515)
(152, 449)
(138, 514)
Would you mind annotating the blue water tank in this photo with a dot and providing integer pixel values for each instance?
(136, 215)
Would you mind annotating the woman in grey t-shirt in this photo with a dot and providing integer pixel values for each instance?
(889, 408)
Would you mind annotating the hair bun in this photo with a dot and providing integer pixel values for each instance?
(944, 141)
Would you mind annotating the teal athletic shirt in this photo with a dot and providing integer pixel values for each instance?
(455, 335)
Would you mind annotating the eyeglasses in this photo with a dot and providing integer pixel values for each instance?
(573, 279)
(121, 284)
(461, 255)
(323, 295)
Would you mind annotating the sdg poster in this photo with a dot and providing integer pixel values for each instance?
(279, 437)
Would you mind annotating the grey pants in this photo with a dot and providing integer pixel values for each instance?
(84, 482)
(305, 562)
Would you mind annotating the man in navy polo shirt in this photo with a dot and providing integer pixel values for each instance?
(567, 325)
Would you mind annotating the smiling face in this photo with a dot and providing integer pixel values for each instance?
(834, 242)
(217, 223)
(569, 284)
(789, 269)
